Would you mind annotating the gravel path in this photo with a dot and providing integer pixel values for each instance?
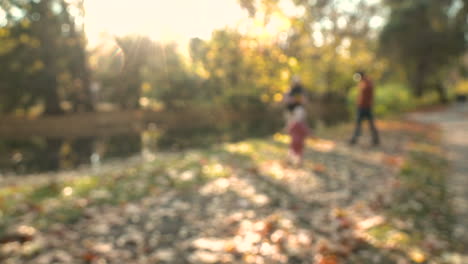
(454, 123)
(263, 211)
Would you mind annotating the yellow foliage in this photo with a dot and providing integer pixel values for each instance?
(285, 75)
(462, 87)
(34, 43)
(146, 87)
(93, 61)
(66, 149)
(24, 38)
(293, 62)
(25, 23)
(265, 98)
(202, 72)
(7, 46)
(282, 58)
(282, 138)
(4, 33)
(37, 66)
(64, 77)
(144, 101)
(278, 97)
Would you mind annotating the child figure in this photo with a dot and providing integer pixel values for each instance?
(298, 131)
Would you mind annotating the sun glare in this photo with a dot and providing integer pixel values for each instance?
(175, 20)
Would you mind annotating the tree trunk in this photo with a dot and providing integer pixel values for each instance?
(418, 86)
(79, 67)
(418, 80)
(441, 92)
(50, 159)
(51, 97)
(47, 39)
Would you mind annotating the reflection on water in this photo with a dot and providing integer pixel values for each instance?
(42, 154)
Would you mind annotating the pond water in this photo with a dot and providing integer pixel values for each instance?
(39, 154)
(43, 154)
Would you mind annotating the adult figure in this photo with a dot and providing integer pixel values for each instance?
(365, 102)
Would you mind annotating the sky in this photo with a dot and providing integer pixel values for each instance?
(162, 20)
(179, 20)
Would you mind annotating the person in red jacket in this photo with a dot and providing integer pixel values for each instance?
(364, 104)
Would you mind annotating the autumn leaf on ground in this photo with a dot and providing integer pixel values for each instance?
(403, 126)
(320, 168)
(326, 259)
(230, 247)
(263, 227)
(89, 257)
(22, 234)
(371, 222)
(417, 256)
(321, 144)
(393, 161)
(21, 238)
(253, 170)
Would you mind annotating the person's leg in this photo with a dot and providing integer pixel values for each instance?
(300, 153)
(291, 154)
(373, 128)
(357, 129)
(295, 151)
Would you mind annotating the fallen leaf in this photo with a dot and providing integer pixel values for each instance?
(320, 168)
(230, 247)
(417, 256)
(321, 145)
(371, 222)
(253, 170)
(21, 238)
(394, 161)
(89, 257)
(326, 259)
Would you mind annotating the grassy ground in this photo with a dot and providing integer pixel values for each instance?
(241, 203)
(419, 220)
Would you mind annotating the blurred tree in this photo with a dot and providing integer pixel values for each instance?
(171, 80)
(137, 51)
(239, 65)
(43, 53)
(425, 38)
(139, 71)
(329, 39)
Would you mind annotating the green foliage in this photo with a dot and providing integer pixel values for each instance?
(393, 99)
(232, 83)
(44, 192)
(424, 39)
(390, 99)
(43, 57)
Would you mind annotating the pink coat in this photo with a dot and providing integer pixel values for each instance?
(298, 132)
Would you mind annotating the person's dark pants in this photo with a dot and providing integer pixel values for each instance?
(362, 114)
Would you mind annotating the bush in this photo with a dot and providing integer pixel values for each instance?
(390, 98)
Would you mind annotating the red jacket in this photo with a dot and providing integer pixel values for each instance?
(366, 94)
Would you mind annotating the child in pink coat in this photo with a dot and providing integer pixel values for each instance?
(298, 132)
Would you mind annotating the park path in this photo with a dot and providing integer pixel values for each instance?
(235, 203)
(261, 211)
(454, 124)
